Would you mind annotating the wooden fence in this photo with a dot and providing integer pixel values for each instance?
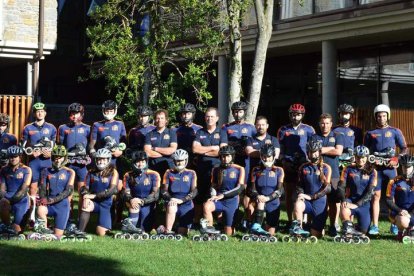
(400, 118)
(19, 109)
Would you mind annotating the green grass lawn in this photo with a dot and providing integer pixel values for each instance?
(109, 256)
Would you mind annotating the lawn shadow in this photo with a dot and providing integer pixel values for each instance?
(18, 260)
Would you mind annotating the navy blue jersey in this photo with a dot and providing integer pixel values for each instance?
(186, 136)
(161, 139)
(352, 135)
(309, 177)
(402, 192)
(256, 144)
(237, 135)
(293, 140)
(226, 179)
(357, 183)
(266, 180)
(332, 140)
(69, 135)
(13, 180)
(56, 181)
(215, 138)
(136, 136)
(7, 140)
(97, 183)
(142, 185)
(32, 133)
(179, 184)
(101, 129)
(379, 139)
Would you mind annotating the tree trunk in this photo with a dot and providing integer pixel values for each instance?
(235, 72)
(264, 15)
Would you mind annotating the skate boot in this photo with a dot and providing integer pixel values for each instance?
(257, 233)
(131, 232)
(42, 232)
(72, 233)
(350, 235)
(9, 233)
(297, 234)
(209, 233)
(164, 234)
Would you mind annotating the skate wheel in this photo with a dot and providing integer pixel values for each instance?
(365, 240)
(246, 238)
(88, 238)
(255, 238)
(154, 237)
(348, 240)
(179, 237)
(63, 239)
(128, 236)
(286, 239)
(313, 239)
(79, 239)
(224, 237)
(205, 238)
(196, 238)
(144, 236)
(337, 239)
(21, 237)
(406, 240)
(118, 236)
(170, 237)
(296, 239)
(357, 240)
(371, 159)
(136, 236)
(48, 238)
(163, 237)
(72, 238)
(264, 239)
(272, 239)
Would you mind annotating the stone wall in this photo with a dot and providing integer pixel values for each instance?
(21, 23)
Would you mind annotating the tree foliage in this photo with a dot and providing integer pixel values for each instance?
(143, 44)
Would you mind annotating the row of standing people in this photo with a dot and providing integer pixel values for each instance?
(160, 142)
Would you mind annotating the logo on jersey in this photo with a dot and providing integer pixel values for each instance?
(6, 140)
(146, 181)
(332, 140)
(62, 176)
(232, 175)
(67, 131)
(81, 130)
(19, 175)
(272, 174)
(115, 128)
(350, 133)
(33, 132)
(203, 137)
(244, 130)
(365, 177)
(388, 134)
(301, 132)
(216, 136)
(100, 129)
(230, 131)
(166, 137)
(186, 178)
(45, 131)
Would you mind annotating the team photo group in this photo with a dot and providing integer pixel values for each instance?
(330, 179)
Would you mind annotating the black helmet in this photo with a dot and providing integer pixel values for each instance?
(188, 107)
(267, 150)
(14, 151)
(345, 108)
(239, 106)
(139, 155)
(109, 104)
(227, 150)
(76, 108)
(406, 160)
(314, 144)
(143, 110)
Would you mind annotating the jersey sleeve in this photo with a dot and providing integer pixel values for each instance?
(339, 140)
(53, 132)
(123, 134)
(148, 138)
(249, 142)
(197, 137)
(367, 140)
(223, 137)
(275, 142)
(94, 132)
(25, 134)
(173, 136)
(400, 139)
(61, 135)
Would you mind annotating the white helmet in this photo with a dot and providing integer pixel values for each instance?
(180, 155)
(382, 108)
(103, 153)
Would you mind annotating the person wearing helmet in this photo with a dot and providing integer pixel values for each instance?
(14, 184)
(136, 136)
(379, 140)
(72, 134)
(108, 127)
(186, 130)
(179, 187)
(332, 148)
(35, 134)
(266, 188)
(227, 182)
(352, 134)
(206, 145)
(160, 143)
(400, 197)
(313, 186)
(141, 192)
(97, 191)
(6, 139)
(355, 189)
(55, 188)
(254, 144)
(292, 139)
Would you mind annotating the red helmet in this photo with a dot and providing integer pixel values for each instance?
(297, 108)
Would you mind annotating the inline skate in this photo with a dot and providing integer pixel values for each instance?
(9, 233)
(209, 233)
(131, 232)
(258, 234)
(297, 234)
(350, 235)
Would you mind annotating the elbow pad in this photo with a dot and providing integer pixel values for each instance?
(83, 190)
(165, 195)
(151, 198)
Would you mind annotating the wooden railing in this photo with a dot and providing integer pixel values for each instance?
(400, 118)
(19, 109)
